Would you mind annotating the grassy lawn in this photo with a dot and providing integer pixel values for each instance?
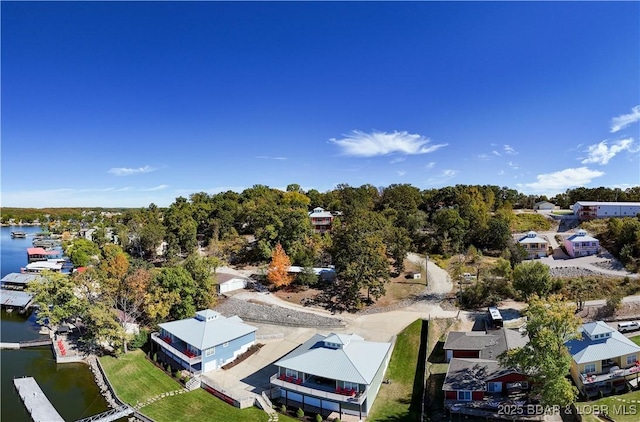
(622, 408)
(635, 339)
(393, 401)
(523, 222)
(135, 379)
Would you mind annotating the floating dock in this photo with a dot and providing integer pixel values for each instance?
(35, 401)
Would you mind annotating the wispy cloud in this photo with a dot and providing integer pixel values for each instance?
(513, 165)
(401, 173)
(155, 188)
(430, 165)
(442, 177)
(496, 153)
(128, 171)
(508, 149)
(361, 144)
(483, 157)
(264, 157)
(624, 120)
(398, 160)
(602, 153)
(562, 180)
(501, 172)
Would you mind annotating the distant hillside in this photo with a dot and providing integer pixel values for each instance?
(524, 222)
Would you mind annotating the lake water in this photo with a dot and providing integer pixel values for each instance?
(70, 386)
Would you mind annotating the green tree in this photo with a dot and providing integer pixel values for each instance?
(176, 282)
(181, 228)
(360, 257)
(82, 252)
(202, 271)
(545, 359)
(55, 296)
(532, 278)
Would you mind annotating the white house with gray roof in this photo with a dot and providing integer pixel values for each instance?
(205, 342)
(335, 373)
(602, 359)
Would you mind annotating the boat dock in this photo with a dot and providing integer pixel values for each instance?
(15, 299)
(35, 401)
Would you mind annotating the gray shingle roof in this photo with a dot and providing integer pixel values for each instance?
(490, 344)
(472, 374)
(211, 330)
(19, 278)
(357, 360)
(585, 349)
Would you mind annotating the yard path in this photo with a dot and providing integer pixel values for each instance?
(438, 280)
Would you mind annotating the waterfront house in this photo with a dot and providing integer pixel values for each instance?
(535, 246)
(339, 373)
(581, 244)
(603, 360)
(320, 220)
(39, 266)
(474, 373)
(203, 343)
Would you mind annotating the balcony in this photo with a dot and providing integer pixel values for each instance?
(593, 379)
(178, 348)
(313, 386)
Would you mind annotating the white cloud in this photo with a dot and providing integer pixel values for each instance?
(264, 157)
(508, 149)
(442, 177)
(501, 172)
(361, 144)
(398, 160)
(127, 171)
(559, 181)
(483, 157)
(496, 153)
(401, 173)
(155, 188)
(601, 153)
(430, 165)
(624, 120)
(513, 165)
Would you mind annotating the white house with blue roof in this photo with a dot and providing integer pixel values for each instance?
(603, 359)
(205, 342)
(335, 373)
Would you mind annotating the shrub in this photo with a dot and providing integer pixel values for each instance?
(318, 417)
(283, 409)
(139, 340)
(169, 369)
(155, 357)
(300, 413)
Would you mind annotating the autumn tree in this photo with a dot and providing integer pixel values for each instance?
(56, 298)
(545, 359)
(278, 270)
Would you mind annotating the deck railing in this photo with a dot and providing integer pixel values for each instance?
(301, 388)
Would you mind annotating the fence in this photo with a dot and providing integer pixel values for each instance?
(228, 396)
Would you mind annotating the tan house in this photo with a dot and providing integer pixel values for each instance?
(603, 360)
(536, 246)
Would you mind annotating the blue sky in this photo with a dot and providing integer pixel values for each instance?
(128, 103)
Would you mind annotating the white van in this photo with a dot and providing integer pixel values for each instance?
(623, 327)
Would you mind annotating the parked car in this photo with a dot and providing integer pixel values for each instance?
(626, 326)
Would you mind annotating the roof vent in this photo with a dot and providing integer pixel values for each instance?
(581, 232)
(532, 234)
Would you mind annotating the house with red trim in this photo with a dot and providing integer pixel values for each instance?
(474, 373)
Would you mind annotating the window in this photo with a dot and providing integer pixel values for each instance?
(589, 368)
(350, 385)
(464, 395)
(494, 387)
(631, 359)
(210, 352)
(225, 344)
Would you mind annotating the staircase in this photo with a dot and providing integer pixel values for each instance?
(193, 383)
(263, 402)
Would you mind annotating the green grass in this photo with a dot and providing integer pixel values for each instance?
(524, 222)
(135, 379)
(393, 400)
(635, 339)
(622, 408)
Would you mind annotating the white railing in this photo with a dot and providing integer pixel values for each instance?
(302, 389)
(192, 360)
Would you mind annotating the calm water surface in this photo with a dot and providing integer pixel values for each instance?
(70, 386)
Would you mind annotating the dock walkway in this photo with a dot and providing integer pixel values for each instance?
(35, 401)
